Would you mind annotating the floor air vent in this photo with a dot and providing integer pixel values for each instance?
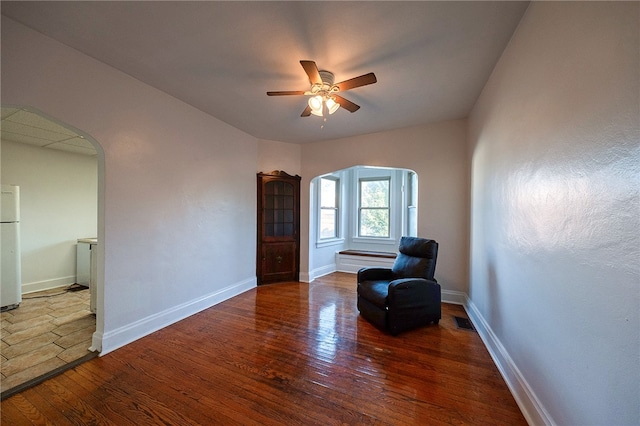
(464, 323)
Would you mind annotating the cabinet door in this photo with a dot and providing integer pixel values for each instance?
(278, 251)
(278, 262)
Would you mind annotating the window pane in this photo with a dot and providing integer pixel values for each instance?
(327, 192)
(327, 223)
(328, 211)
(374, 208)
(374, 193)
(374, 222)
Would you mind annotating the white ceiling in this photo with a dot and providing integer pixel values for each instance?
(29, 127)
(431, 59)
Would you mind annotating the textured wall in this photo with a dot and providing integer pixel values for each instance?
(438, 154)
(274, 155)
(178, 185)
(555, 248)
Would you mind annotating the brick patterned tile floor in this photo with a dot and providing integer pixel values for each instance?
(48, 330)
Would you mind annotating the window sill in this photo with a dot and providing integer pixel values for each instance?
(329, 242)
(375, 241)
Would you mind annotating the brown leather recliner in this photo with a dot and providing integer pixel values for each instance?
(405, 296)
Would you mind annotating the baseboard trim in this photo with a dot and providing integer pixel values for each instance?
(318, 272)
(48, 284)
(305, 277)
(111, 340)
(454, 297)
(533, 411)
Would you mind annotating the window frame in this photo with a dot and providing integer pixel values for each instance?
(411, 203)
(337, 237)
(388, 208)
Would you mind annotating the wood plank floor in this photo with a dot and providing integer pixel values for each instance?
(282, 354)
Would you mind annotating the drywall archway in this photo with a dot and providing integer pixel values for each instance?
(73, 140)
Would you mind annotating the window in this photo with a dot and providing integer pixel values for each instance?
(363, 208)
(412, 204)
(373, 207)
(329, 212)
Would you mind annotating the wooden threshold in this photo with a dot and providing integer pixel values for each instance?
(286, 354)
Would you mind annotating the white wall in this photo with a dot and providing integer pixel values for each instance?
(58, 205)
(438, 154)
(177, 209)
(274, 155)
(555, 248)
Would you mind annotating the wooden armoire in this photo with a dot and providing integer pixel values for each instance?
(278, 249)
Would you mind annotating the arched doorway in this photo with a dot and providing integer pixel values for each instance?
(361, 208)
(60, 173)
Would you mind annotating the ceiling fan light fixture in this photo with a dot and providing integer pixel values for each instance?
(332, 105)
(315, 103)
(323, 90)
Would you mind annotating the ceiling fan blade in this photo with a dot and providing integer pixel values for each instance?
(346, 104)
(352, 83)
(286, 92)
(306, 112)
(312, 71)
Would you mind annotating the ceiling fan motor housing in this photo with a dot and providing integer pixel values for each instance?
(327, 77)
(326, 88)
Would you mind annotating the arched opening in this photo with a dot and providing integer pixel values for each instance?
(360, 208)
(59, 171)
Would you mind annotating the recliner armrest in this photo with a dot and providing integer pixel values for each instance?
(414, 292)
(411, 282)
(374, 274)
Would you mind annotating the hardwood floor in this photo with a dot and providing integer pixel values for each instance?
(281, 354)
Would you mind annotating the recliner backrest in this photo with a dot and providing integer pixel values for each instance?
(416, 258)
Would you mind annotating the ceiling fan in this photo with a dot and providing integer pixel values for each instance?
(323, 91)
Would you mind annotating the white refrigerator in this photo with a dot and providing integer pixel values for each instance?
(10, 273)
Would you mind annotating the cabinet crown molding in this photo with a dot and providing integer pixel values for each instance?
(279, 173)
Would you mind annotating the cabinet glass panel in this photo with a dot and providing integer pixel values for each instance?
(288, 202)
(279, 209)
(288, 229)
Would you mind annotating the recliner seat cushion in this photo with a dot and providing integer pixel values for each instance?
(376, 292)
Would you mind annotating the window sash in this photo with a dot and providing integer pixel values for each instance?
(374, 214)
(328, 223)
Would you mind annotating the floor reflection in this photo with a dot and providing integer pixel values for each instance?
(326, 337)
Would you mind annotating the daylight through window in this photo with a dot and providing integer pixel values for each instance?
(373, 210)
(329, 207)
